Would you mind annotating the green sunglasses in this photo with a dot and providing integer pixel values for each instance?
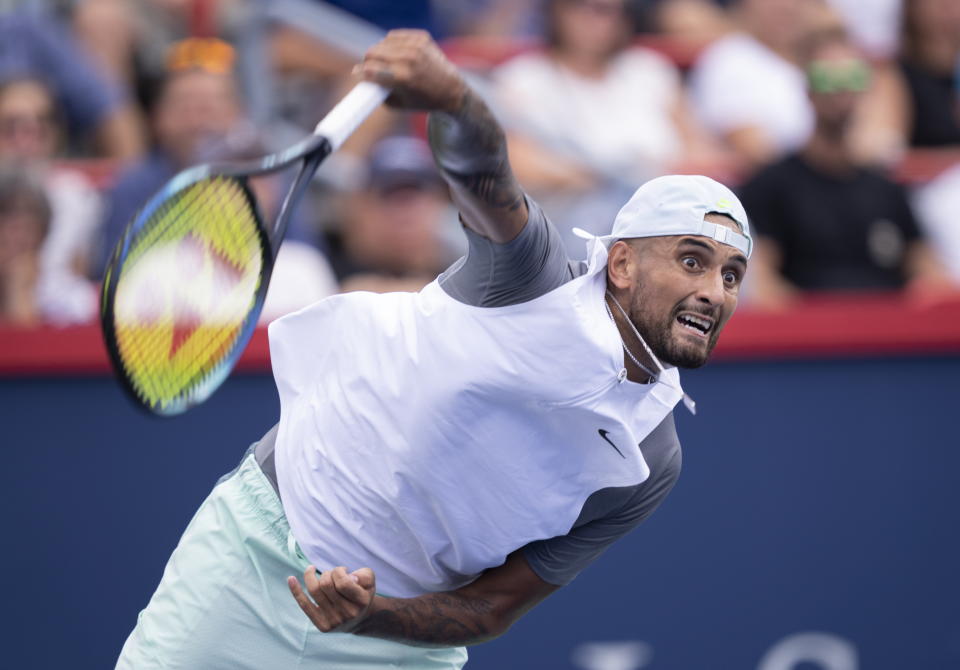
(839, 76)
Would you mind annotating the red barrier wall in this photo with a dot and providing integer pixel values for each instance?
(819, 327)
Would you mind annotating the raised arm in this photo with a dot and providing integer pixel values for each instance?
(468, 144)
(346, 602)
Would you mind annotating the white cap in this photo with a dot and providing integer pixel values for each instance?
(676, 205)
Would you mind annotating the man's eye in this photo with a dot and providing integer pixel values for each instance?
(690, 262)
(731, 277)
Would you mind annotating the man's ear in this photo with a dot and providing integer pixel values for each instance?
(620, 260)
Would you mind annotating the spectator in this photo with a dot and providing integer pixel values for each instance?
(195, 108)
(748, 87)
(589, 117)
(394, 238)
(130, 39)
(197, 116)
(33, 44)
(937, 204)
(930, 53)
(30, 133)
(301, 276)
(24, 221)
(823, 222)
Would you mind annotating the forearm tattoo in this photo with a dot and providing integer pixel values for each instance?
(470, 148)
(431, 620)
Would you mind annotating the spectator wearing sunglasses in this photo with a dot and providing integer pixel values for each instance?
(95, 111)
(825, 222)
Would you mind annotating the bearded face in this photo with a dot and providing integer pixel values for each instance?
(683, 336)
(679, 292)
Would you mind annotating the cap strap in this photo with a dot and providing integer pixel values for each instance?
(715, 231)
(726, 236)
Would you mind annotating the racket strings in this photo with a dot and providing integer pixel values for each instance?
(191, 349)
(186, 290)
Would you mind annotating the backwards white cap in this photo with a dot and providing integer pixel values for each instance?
(676, 205)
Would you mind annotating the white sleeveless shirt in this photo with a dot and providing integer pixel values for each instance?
(427, 439)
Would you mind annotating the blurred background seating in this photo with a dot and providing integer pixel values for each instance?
(106, 99)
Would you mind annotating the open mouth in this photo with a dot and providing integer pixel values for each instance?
(696, 324)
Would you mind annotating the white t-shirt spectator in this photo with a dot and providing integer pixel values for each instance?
(619, 127)
(301, 277)
(937, 204)
(620, 123)
(738, 82)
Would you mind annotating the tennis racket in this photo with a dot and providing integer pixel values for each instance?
(184, 287)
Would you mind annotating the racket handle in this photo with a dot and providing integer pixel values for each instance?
(350, 112)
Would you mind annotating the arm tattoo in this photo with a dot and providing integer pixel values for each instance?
(470, 148)
(431, 620)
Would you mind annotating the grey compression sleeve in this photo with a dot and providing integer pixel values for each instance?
(530, 265)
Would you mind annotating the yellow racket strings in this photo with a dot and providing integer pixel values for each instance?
(187, 285)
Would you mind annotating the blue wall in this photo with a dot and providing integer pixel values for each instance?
(816, 496)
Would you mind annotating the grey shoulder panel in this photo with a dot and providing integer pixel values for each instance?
(493, 275)
(610, 513)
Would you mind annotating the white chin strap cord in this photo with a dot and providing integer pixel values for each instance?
(688, 402)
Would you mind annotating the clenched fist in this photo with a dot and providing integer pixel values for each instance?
(411, 64)
(340, 600)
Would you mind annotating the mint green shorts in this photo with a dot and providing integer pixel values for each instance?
(223, 601)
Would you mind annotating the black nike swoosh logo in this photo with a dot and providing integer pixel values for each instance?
(603, 434)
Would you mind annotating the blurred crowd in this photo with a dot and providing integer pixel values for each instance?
(808, 107)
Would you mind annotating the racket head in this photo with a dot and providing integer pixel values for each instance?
(184, 288)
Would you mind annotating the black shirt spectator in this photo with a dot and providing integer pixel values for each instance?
(934, 107)
(834, 233)
(823, 221)
(929, 53)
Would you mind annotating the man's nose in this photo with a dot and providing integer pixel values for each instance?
(710, 291)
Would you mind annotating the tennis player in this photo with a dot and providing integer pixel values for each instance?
(447, 459)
